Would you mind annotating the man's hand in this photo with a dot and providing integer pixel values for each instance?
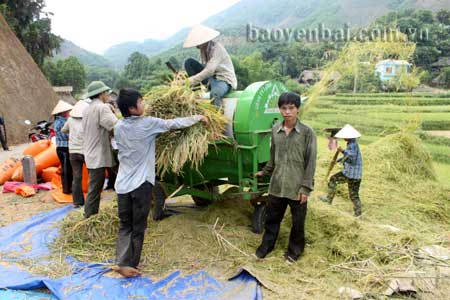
(112, 108)
(302, 198)
(259, 174)
(204, 120)
(340, 149)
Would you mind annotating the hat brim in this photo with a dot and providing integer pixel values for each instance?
(197, 42)
(98, 91)
(77, 111)
(61, 107)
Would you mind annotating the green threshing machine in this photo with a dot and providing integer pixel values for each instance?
(235, 160)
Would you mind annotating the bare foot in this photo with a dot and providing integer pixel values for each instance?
(126, 271)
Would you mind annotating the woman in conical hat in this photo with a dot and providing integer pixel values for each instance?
(216, 69)
(61, 113)
(74, 127)
(352, 173)
(61, 108)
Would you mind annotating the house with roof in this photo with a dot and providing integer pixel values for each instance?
(65, 93)
(389, 68)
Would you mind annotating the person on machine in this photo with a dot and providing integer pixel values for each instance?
(216, 70)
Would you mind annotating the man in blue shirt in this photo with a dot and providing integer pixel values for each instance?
(135, 137)
(352, 173)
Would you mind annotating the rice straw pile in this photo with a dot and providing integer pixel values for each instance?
(401, 156)
(190, 145)
(341, 250)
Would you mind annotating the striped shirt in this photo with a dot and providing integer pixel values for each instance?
(352, 161)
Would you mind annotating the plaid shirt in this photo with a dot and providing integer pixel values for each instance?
(62, 139)
(352, 161)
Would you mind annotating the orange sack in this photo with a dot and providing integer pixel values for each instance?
(36, 148)
(25, 191)
(48, 174)
(7, 169)
(85, 179)
(60, 197)
(47, 158)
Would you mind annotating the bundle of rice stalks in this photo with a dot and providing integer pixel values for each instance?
(189, 145)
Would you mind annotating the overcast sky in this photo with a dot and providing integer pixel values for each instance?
(95, 25)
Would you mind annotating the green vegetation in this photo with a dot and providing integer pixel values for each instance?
(66, 72)
(32, 26)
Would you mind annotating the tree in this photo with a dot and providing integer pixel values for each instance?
(241, 73)
(430, 32)
(424, 16)
(32, 27)
(107, 75)
(446, 77)
(443, 16)
(137, 67)
(74, 73)
(257, 69)
(66, 72)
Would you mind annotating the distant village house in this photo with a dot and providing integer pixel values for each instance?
(389, 69)
(65, 93)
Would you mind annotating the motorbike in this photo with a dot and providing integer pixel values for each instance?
(41, 131)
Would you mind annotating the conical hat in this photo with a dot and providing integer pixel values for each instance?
(348, 132)
(199, 35)
(77, 111)
(62, 106)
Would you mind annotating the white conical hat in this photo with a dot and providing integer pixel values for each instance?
(199, 35)
(348, 132)
(77, 111)
(62, 106)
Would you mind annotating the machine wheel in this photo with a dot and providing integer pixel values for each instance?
(213, 190)
(159, 200)
(259, 218)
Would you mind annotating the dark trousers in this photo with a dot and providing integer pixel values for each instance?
(66, 169)
(193, 67)
(96, 182)
(134, 208)
(275, 213)
(112, 175)
(112, 172)
(3, 139)
(77, 161)
(353, 190)
(218, 88)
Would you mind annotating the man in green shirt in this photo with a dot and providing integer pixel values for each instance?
(292, 165)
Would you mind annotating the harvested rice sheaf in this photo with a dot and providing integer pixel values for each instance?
(189, 145)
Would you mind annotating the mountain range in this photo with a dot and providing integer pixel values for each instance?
(261, 13)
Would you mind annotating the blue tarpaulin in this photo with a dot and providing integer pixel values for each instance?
(30, 239)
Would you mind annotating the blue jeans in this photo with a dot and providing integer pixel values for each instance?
(218, 88)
